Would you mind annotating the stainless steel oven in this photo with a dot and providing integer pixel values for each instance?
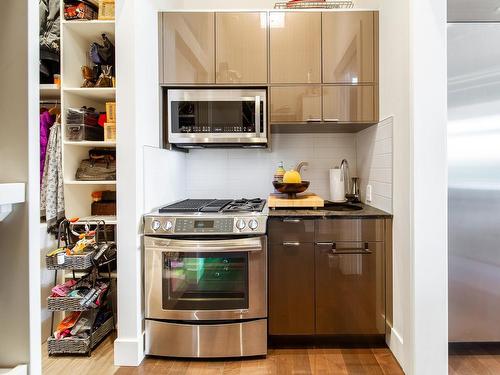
(217, 117)
(206, 297)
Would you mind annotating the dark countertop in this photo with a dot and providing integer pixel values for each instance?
(367, 211)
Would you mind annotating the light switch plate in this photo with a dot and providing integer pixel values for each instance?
(368, 193)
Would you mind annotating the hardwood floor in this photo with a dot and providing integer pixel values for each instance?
(376, 361)
(474, 359)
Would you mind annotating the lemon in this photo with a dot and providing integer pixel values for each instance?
(292, 177)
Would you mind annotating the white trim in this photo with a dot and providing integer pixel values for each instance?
(395, 342)
(129, 352)
(18, 370)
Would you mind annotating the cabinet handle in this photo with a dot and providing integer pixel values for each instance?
(332, 120)
(291, 243)
(325, 244)
(351, 250)
(313, 120)
(292, 220)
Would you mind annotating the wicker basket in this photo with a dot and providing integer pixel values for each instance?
(71, 262)
(72, 345)
(65, 304)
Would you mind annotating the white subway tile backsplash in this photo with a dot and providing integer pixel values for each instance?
(375, 163)
(237, 173)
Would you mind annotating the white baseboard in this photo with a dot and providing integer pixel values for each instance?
(395, 343)
(18, 370)
(129, 352)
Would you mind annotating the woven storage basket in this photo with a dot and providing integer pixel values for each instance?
(65, 304)
(71, 262)
(72, 345)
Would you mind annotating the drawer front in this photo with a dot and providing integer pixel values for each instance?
(365, 230)
(291, 230)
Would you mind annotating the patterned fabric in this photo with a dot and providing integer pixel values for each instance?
(52, 192)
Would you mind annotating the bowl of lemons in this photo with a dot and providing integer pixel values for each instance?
(291, 185)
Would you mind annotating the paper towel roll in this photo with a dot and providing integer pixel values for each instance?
(337, 190)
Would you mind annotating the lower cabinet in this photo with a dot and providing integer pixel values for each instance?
(291, 289)
(350, 298)
(329, 283)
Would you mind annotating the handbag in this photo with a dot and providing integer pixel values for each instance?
(100, 166)
(103, 54)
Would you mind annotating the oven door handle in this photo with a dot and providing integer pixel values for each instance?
(202, 246)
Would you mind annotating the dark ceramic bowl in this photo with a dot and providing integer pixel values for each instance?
(291, 189)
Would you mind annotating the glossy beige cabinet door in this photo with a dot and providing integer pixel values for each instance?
(241, 47)
(349, 47)
(295, 47)
(295, 104)
(188, 45)
(349, 104)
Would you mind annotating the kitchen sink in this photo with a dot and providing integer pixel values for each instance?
(331, 206)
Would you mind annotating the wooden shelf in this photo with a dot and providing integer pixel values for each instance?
(75, 182)
(49, 91)
(93, 93)
(90, 144)
(111, 220)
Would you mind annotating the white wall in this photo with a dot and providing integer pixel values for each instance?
(19, 155)
(429, 283)
(249, 173)
(394, 102)
(374, 156)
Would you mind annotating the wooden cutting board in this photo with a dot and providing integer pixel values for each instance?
(302, 200)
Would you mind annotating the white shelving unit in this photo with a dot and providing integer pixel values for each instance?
(76, 38)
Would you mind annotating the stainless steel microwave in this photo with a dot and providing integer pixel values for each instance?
(217, 117)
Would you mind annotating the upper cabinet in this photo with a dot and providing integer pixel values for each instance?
(349, 47)
(295, 47)
(187, 48)
(241, 48)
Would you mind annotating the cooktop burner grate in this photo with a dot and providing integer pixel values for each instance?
(216, 205)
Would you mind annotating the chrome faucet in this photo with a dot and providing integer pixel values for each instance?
(301, 165)
(344, 175)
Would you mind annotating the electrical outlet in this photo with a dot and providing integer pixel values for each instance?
(368, 193)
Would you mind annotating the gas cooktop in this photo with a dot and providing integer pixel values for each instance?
(215, 205)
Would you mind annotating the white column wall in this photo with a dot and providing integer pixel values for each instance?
(429, 287)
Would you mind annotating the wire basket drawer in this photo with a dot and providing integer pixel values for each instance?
(73, 345)
(65, 304)
(71, 262)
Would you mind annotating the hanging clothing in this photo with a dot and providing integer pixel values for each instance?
(50, 26)
(52, 191)
(46, 121)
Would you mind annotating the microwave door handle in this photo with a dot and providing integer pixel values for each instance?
(257, 115)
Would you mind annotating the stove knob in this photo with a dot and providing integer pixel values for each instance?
(253, 224)
(155, 225)
(167, 225)
(240, 224)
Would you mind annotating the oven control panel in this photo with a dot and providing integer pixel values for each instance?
(162, 225)
(199, 225)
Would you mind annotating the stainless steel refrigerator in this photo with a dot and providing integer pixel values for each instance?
(474, 170)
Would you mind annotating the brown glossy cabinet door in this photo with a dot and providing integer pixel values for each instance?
(292, 104)
(291, 289)
(349, 47)
(295, 47)
(188, 45)
(241, 47)
(350, 291)
(350, 104)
